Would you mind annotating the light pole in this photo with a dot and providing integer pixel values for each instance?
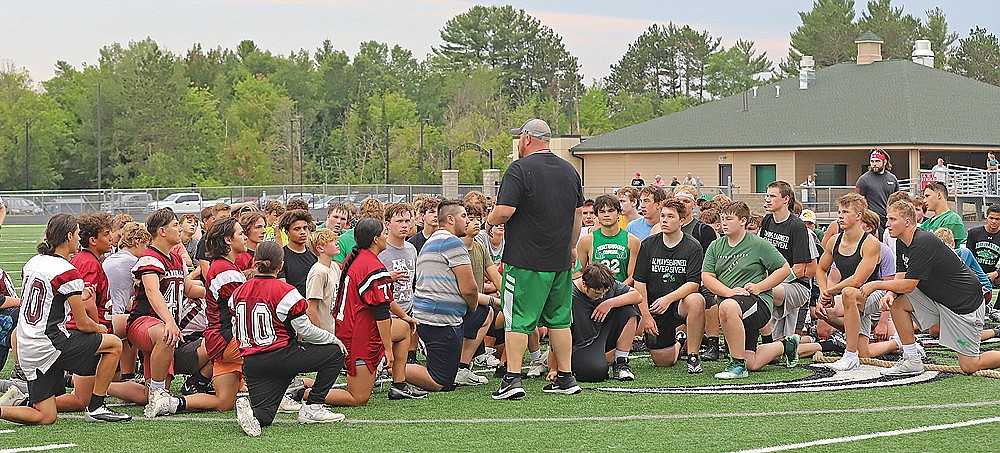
(27, 150)
(100, 137)
(420, 155)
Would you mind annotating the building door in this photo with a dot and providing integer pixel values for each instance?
(725, 174)
(764, 175)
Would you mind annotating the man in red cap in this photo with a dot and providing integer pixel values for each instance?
(638, 182)
(878, 183)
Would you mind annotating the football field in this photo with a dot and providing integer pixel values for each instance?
(776, 409)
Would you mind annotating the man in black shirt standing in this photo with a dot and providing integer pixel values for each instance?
(984, 241)
(297, 224)
(878, 182)
(792, 239)
(932, 286)
(541, 204)
(668, 275)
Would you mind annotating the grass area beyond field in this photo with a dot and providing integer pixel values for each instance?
(469, 420)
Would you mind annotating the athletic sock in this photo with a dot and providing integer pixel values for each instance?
(741, 362)
(536, 355)
(411, 355)
(399, 385)
(910, 350)
(851, 355)
(464, 366)
(96, 401)
(182, 404)
(621, 354)
(128, 376)
(508, 376)
(899, 343)
(153, 385)
(245, 394)
(564, 374)
(765, 339)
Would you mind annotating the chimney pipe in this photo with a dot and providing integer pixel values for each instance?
(922, 53)
(869, 48)
(777, 91)
(807, 72)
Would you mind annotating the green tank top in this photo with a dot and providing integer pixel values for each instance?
(612, 252)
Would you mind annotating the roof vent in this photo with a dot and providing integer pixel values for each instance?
(777, 91)
(922, 53)
(755, 92)
(869, 48)
(807, 72)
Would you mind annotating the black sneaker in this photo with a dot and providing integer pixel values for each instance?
(564, 385)
(681, 337)
(194, 385)
(711, 353)
(407, 392)
(509, 390)
(694, 364)
(103, 414)
(639, 345)
(621, 371)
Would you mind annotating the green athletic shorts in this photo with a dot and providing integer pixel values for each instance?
(532, 298)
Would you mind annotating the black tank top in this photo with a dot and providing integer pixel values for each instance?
(848, 265)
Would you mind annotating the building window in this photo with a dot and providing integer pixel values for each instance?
(764, 175)
(831, 175)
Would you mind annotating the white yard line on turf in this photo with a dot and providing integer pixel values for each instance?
(6, 431)
(863, 410)
(898, 432)
(38, 448)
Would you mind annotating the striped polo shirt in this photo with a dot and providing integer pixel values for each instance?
(437, 300)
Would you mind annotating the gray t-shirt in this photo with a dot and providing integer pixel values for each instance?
(401, 259)
(876, 189)
(121, 283)
(437, 300)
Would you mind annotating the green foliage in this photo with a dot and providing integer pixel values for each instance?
(935, 29)
(978, 56)
(898, 30)
(732, 70)
(827, 34)
(666, 61)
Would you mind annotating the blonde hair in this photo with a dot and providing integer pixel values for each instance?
(905, 210)
(853, 201)
(371, 207)
(120, 220)
(321, 237)
(946, 236)
(133, 234)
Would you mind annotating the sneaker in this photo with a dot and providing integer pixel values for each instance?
(711, 353)
(639, 345)
(845, 364)
(244, 415)
(103, 414)
(538, 367)
(12, 396)
(289, 406)
(994, 316)
(317, 413)
(466, 376)
(408, 392)
(159, 403)
(734, 370)
(294, 387)
(838, 340)
(195, 384)
(621, 371)
(565, 385)
(486, 360)
(682, 339)
(17, 374)
(906, 366)
(509, 390)
(694, 364)
(791, 350)
(921, 351)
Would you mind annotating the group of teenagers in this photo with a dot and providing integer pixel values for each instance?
(249, 304)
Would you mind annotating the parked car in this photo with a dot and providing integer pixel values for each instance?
(22, 206)
(181, 203)
(67, 205)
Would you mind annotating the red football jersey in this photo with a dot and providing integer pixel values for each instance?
(93, 276)
(223, 278)
(244, 260)
(170, 271)
(263, 309)
(366, 285)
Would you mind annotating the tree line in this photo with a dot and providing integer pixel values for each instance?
(249, 116)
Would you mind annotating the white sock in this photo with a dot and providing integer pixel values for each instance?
(852, 356)
(898, 342)
(153, 385)
(536, 355)
(910, 350)
(619, 354)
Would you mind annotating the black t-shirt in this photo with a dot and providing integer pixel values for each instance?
(638, 182)
(664, 269)
(702, 232)
(876, 189)
(584, 329)
(418, 240)
(792, 239)
(985, 247)
(942, 274)
(296, 268)
(545, 190)
(200, 253)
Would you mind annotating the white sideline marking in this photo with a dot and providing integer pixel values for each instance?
(38, 448)
(863, 410)
(6, 431)
(898, 432)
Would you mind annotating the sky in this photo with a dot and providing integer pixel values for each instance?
(37, 34)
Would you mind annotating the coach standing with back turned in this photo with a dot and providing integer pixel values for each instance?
(540, 203)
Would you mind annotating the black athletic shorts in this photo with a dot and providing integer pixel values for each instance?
(756, 314)
(78, 355)
(186, 357)
(710, 299)
(667, 324)
(444, 352)
(474, 321)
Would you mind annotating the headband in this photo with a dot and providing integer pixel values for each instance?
(879, 154)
